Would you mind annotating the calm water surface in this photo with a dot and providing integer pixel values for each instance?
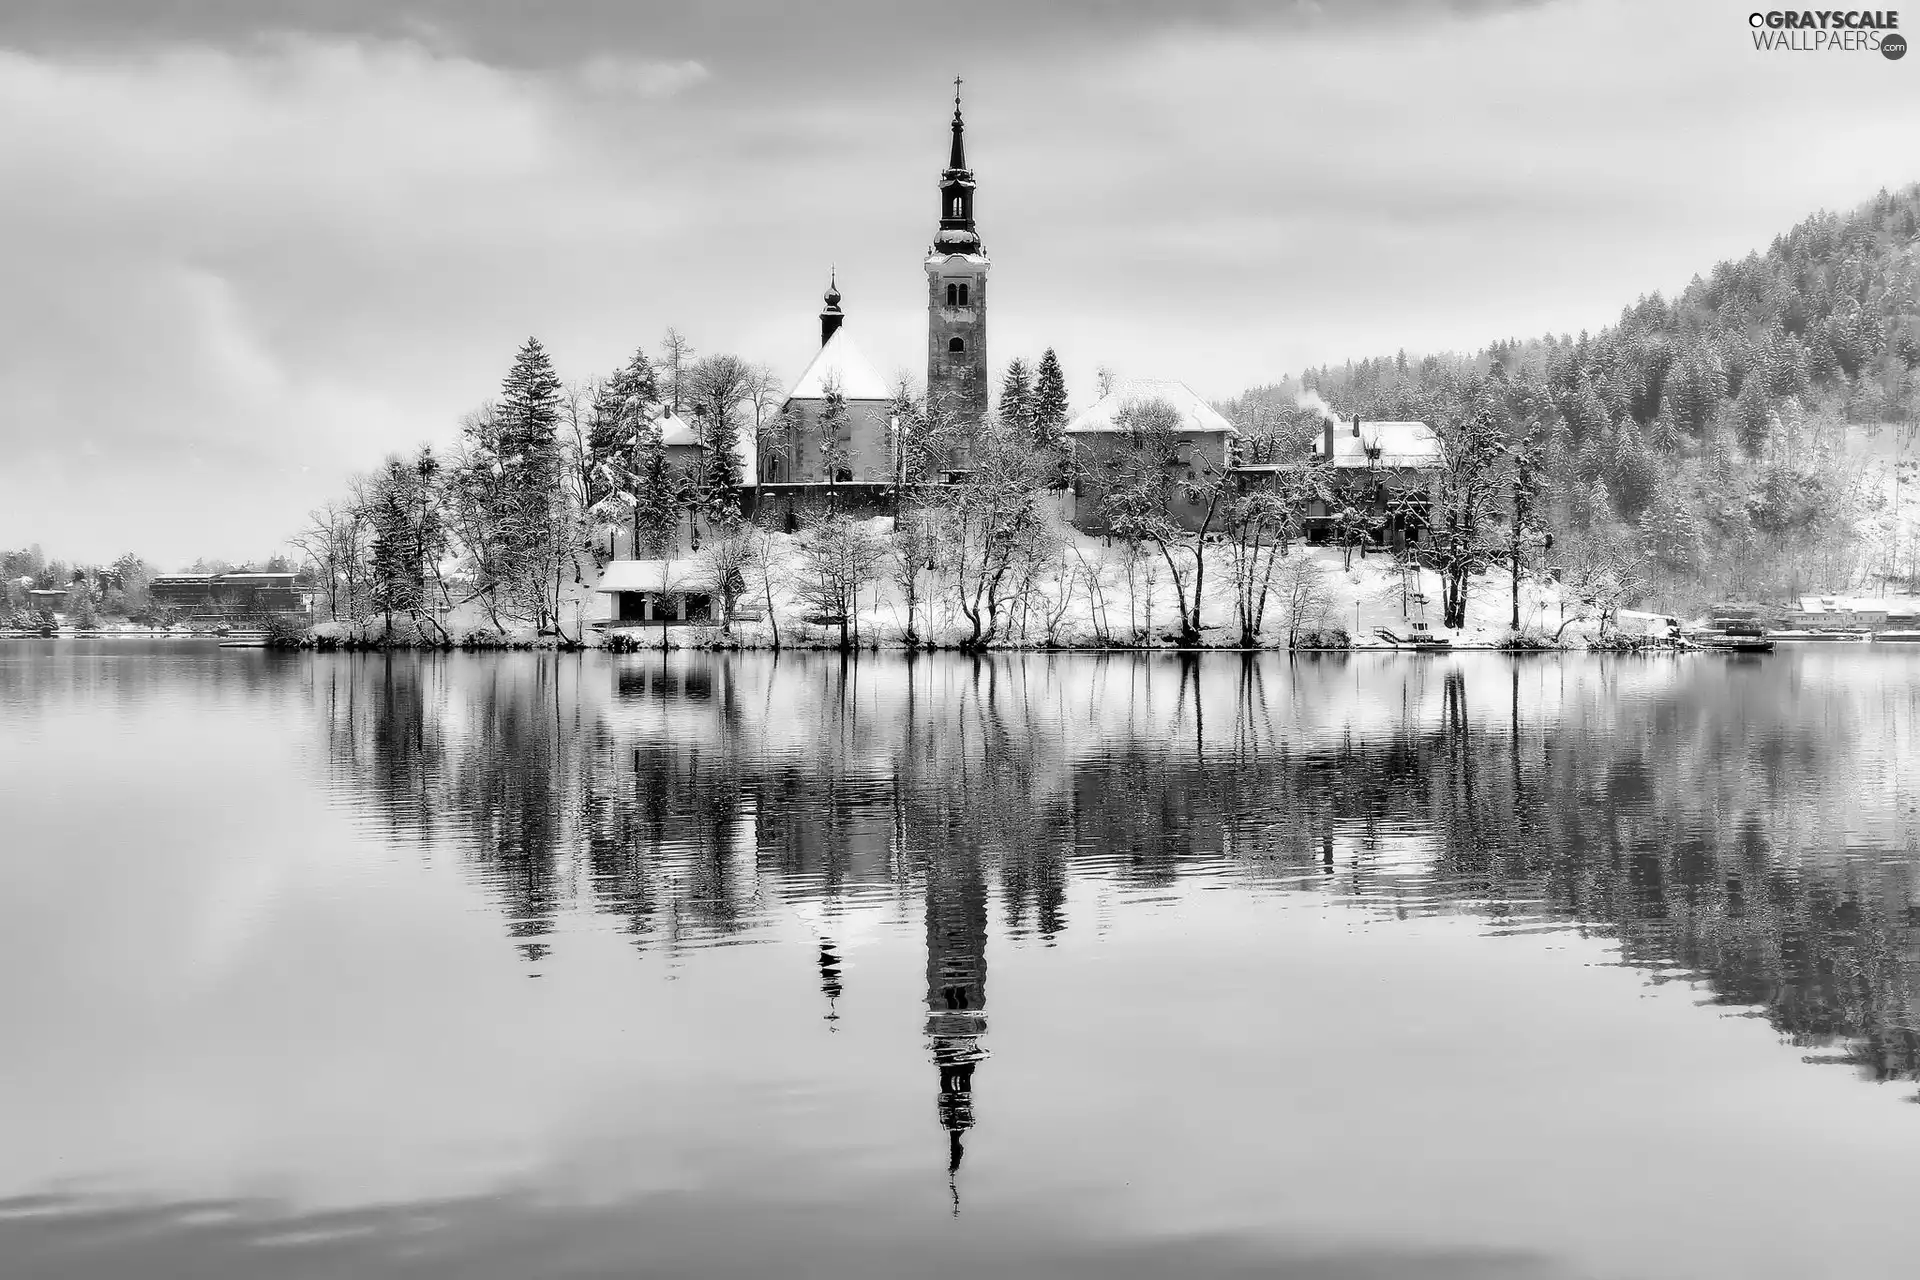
(516, 966)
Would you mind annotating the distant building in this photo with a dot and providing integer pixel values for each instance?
(1203, 446)
(1389, 471)
(218, 595)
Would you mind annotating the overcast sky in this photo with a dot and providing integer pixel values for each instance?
(251, 246)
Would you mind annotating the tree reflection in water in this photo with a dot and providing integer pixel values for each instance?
(1747, 826)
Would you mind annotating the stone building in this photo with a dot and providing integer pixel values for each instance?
(957, 370)
(1199, 452)
(858, 449)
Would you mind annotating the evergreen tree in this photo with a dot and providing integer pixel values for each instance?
(720, 385)
(1050, 404)
(1016, 397)
(530, 405)
(83, 605)
(623, 407)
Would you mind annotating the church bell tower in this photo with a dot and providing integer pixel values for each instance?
(957, 292)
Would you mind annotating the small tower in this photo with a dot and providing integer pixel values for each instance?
(957, 291)
(830, 313)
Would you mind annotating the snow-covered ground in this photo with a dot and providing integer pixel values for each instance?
(1371, 593)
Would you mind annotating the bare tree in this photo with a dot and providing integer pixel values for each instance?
(916, 550)
(723, 566)
(676, 359)
(770, 564)
(839, 558)
(1304, 596)
(1141, 479)
(1600, 578)
(988, 525)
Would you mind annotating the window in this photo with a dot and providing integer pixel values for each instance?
(956, 344)
(963, 295)
(956, 207)
(953, 295)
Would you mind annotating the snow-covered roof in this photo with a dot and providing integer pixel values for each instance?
(840, 360)
(1854, 604)
(675, 430)
(651, 575)
(1195, 414)
(1399, 444)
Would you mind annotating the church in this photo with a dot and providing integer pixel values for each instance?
(840, 420)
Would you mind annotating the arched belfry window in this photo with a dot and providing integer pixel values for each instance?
(957, 207)
(953, 295)
(956, 344)
(963, 295)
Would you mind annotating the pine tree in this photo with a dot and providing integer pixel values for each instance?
(1050, 403)
(719, 386)
(623, 406)
(530, 418)
(83, 605)
(1016, 397)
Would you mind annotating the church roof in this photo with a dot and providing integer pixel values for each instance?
(840, 360)
(1195, 414)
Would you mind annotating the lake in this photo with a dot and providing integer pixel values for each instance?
(722, 965)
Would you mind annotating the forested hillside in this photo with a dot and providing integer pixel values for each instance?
(1749, 437)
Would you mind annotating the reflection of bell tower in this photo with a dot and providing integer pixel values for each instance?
(956, 989)
(830, 981)
(957, 292)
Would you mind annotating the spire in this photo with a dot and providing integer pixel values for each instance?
(958, 158)
(957, 233)
(831, 316)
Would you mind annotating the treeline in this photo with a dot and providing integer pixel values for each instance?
(515, 516)
(95, 594)
(546, 482)
(1705, 437)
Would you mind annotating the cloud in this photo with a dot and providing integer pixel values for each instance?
(245, 265)
(610, 74)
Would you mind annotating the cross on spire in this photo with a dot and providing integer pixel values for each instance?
(956, 93)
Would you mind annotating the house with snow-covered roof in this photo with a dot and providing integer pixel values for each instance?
(835, 436)
(1386, 472)
(1197, 452)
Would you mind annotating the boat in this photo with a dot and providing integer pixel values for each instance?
(1732, 635)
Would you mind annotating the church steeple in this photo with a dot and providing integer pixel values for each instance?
(957, 159)
(831, 317)
(957, 293)
(957, 233)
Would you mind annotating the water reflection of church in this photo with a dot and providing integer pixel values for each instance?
(956, 918)
(956, 988)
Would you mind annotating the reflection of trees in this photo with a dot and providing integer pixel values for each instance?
(1680, 808)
